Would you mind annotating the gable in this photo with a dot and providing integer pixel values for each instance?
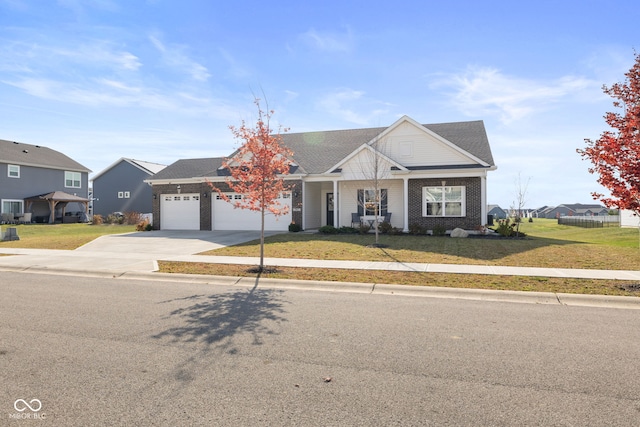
(414, 146)
(367, 164)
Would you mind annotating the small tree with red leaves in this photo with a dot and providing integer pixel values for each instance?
(616, 154)
(257, 171)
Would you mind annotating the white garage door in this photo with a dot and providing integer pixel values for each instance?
(227, 217)
(180, 212)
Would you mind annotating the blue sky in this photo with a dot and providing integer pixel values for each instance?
(162, 80)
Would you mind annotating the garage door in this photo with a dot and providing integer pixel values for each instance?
(227, 217)
(180, 212)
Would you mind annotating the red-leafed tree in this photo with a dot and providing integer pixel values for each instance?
(257, 170)
(616, 154)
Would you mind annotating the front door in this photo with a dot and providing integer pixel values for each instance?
(330, 209)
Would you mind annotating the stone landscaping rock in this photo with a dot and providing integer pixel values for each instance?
(459, 232)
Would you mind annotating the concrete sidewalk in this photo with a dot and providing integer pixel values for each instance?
(136, 256)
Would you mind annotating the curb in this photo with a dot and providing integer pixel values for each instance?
(544, 298)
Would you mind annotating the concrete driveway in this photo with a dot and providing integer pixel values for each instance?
(120, 253)
(167, 243)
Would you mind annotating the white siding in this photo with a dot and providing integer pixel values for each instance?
(349, 200)
(411, 146)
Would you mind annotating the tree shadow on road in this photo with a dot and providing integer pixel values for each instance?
(214, 320)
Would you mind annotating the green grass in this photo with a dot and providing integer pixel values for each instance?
(547, 245)
(60, 236)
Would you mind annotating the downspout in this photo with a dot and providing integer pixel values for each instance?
(405, 197)
(336, 206)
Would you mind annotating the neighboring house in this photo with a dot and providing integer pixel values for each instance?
(430, 175)
(121, 187)
(496, 212)
(576, 209)
(42, 182)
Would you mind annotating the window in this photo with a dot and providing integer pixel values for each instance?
(13, 171)
(12, 206)
(444, 201)
(369, 202)
(127, 194)
(72, 180)
(120, 194)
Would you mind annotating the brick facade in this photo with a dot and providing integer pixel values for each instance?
(473, 202)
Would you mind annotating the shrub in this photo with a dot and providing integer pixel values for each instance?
(328, 229)
(114, 219)
(385, 227)
(347, 230)
(131, 218)
(416, 229)
(149, 227)
(97, 219)
(439, 230)
(506, 228)
(294, 228)
(364, 228)
(142, 225)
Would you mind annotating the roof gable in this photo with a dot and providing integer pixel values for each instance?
(146, 167)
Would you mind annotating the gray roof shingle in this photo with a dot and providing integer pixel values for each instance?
(316, 152)
(19, 153)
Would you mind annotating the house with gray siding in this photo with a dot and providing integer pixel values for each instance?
(121, 188)
(42, 182)
(432, 175)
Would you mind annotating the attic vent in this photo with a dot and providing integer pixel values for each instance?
(25, 151)
(16, 142)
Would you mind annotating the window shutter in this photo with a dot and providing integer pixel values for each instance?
(360, 202)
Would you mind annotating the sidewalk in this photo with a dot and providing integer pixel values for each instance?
(142, 265)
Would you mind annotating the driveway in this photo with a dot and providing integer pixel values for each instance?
(120, 253)
(168, 243)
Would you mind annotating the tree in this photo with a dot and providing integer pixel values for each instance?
(616, 154)
(373, 168)
(257, 169)
(518, 205)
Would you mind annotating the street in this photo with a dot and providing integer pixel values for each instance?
(78, 351)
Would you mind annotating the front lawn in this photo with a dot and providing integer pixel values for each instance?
(61, 236)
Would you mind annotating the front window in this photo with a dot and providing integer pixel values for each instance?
(444, 201)
(372, 202)
(13, 171)
(72, 180)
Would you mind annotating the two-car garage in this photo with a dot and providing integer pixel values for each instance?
(182, 212)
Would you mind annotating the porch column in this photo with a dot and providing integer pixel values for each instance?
(483, 201)
(405, 197)
(304, 204)
(337, 205)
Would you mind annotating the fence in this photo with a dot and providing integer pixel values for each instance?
(591, 221)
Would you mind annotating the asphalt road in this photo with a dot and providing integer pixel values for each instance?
(88, 351)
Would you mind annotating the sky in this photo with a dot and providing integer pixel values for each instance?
(162, 80)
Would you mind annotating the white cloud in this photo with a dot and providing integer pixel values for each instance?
(352, 106)
(175, 57)
(487, 91)
(329, 41)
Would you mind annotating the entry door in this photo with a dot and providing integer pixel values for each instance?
(330, 209)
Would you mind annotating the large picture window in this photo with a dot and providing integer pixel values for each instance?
(444, 201)
(72, 180)
(12, 206)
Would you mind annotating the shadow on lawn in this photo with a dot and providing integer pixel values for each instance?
(478, 248)
(215, 320)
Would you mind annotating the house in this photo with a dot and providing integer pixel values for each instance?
(576, 209)
(430, 175)
(121, 188)
(41, 182)
(496, 212)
